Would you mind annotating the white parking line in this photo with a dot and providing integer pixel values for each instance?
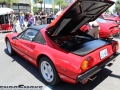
(48, 88)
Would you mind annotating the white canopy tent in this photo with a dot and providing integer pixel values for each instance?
(4, 11)
(4, 14)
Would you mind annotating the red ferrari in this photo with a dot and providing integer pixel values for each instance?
(107, 28)
(110, 17)
(60, 50)
(115, 19)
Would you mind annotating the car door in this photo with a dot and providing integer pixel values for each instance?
(17, 45)
(35, 46)
(26, 44)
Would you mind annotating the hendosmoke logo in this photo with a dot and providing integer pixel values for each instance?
(21, 87)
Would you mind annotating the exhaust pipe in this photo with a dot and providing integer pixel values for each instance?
(110, 64)
(92, 78)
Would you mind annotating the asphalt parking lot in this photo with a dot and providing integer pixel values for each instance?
(16, 71)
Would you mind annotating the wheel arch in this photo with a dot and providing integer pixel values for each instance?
(43, 55)
(58, 79)
(6, 39)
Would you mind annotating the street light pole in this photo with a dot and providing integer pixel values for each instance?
(41, 1)
(44, 5)
(41, 6)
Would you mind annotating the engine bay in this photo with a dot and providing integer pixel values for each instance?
(70, 42)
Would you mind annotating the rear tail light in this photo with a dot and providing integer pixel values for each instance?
(115, 46)
(111, 30)
(84, 65)
(87, 63)
(114, 28)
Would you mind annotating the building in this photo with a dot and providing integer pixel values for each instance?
(21, 6)
(24, 6)
(47, 5)
(69, 1)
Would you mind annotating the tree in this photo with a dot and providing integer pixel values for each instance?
(38, 1)
(9, 3)
(35, 7)
(117, 6)
(53, 6)
(107, 10)
(62, 4)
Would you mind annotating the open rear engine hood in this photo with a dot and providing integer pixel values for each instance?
(76, 15)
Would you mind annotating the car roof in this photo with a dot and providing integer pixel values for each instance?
(39, 27)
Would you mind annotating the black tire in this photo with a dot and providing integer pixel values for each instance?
(9, 48)
(55, 78)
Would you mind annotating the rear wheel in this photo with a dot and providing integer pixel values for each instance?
(9, 48)
(48, 71)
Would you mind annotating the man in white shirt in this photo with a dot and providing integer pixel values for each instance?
(94, 29)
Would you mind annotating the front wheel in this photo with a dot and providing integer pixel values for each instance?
(9, 48)
(48, 71)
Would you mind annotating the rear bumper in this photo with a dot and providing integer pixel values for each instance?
(95, 69)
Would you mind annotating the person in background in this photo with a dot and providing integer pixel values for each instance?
(94, 29)
(43, 17)
(40, 17)
(37, 19)
(50, 17)
(21, 20)
(58, 13)
(12, 20)
(31, 20)
(118, 13)
(27, 16)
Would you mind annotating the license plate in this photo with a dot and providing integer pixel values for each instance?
(103, 53)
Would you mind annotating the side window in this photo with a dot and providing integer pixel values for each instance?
(19, 36)
(29, 34)
(39, 39)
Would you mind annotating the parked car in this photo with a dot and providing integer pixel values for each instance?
(60, 50)
(107, 28)
(115, 19)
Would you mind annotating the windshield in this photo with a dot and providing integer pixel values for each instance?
(102, 20)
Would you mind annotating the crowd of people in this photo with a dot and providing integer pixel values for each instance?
(29, 19)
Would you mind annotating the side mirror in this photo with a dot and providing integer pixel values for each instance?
(14, 38)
